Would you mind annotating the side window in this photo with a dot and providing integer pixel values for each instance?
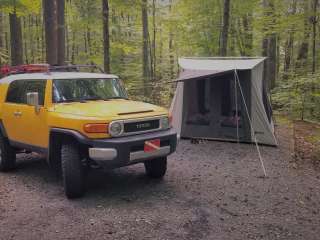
(18, 90)
(38, 86)
(15, 92)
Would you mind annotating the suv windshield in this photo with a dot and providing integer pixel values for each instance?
(74, 90)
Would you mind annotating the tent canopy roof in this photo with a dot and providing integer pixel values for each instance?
(193, 68)
(219, 63)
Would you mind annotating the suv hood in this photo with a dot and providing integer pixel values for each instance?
(114, 108)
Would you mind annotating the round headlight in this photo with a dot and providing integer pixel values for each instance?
(115, 129)
(165, 124)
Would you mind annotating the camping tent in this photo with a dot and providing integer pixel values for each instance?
(223, 99)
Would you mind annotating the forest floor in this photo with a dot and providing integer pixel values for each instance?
(213, 190)
(307, 143)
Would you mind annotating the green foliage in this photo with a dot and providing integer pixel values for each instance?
(22, 7)
(180, 28)
(299, 96)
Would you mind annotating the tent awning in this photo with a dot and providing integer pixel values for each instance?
(220, 64)
(197, 74)
(196, 68)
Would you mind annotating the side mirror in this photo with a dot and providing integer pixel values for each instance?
(33, 100)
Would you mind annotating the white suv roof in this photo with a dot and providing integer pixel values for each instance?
(54, 75)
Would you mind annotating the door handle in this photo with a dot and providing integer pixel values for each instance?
(17, 114)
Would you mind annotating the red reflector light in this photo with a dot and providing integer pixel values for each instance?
(96, 128)
(27, 68)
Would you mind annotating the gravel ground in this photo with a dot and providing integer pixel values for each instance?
(213, 190)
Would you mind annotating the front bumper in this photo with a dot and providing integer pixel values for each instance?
(118, 152)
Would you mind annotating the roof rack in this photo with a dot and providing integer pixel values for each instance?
(74, 68)
(45, 68)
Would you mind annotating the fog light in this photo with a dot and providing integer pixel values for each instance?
(115, 129)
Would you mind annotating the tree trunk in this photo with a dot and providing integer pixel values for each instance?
(265, 46)
(154, 63)
(225, 28)
(88, 37)
(272, 55)
(16, 39)
(233, 37)
(106, 35)
(61, 32)
(272, 48)
(171, 56)
(50, 22)
(1, 39)
(32, 43)
(302, 58)
(289, 43)
(248, 33)
(73, 49)
(314, 50)
(25, 37)
(314, 35)
(145, 33)
(43, 41)
(269, 45)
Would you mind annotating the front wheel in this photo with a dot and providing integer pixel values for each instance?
(72, 170)
(156, 168)
(7, 155)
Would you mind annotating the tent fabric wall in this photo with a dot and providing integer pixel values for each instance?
(176, 108)
(214, 70)
(264, 130)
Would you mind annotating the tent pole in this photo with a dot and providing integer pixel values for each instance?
(252, 130)
(236, 101)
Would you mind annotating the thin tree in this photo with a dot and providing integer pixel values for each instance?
(106, 35)
(154, 38)
(302, 58)
(145, 47)
(314, 34)
(289, 42)
(1, 38)
(248, 32)
(61, 32)
(269, 44)
(272, 48)
(50, 22)
(225, 28)
(15, 37)
(171, 45)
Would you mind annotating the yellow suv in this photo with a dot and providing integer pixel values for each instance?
(78, 120)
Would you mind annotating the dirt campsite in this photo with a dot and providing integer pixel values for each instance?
(213, 190)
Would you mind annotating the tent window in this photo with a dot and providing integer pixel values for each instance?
(267, 105)
(201, 87)
(226, 98)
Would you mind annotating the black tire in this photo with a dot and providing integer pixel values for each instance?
(54, 158)
(7, 156)
(72, 170)
(156, 168)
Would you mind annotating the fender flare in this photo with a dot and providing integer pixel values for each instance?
(72, 133)
(53, 159)
(3, 130)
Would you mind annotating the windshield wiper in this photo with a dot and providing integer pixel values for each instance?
(93, 98)
(118, 97)
(72, 100)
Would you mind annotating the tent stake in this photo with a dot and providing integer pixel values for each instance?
(252, 130)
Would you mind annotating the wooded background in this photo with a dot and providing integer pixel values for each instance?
(141, 41)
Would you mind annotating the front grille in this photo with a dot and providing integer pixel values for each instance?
(141, 126)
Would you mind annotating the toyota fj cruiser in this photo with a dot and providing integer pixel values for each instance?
(78, 120)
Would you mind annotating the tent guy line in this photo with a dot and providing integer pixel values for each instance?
(255, 137)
